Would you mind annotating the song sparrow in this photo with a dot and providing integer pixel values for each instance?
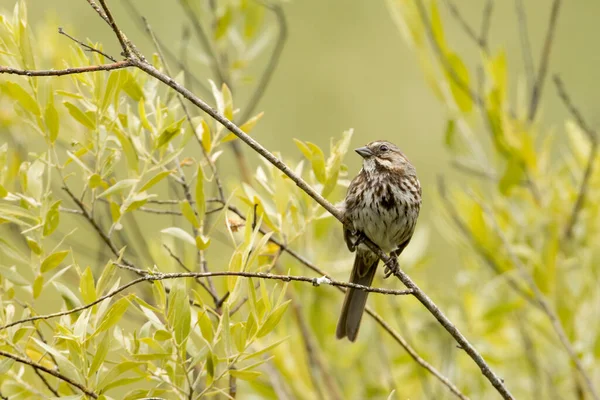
(382, 203)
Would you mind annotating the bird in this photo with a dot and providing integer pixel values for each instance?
(382, 204)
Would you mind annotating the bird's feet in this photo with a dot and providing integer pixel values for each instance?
(392, 266)
(360, 237)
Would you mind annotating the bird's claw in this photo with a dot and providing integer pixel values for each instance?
(391, 267)
(360, 238)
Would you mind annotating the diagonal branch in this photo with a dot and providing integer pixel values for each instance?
(40, 367)
(66, 71)
(544, 61)
(593, 138)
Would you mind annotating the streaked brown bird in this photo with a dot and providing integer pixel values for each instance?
(383, 204)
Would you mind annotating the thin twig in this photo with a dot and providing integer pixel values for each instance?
(486, 23)
(395, 335)
(52, 372)
(136, 15)
(267, 74)
(526, 52)
(118, 33)
(460, 83)
(544, 61)
(196, 24)
(182, 265)
(593, 138)
(541, 299)
(469, 31)
(86, 46)
(66, 71)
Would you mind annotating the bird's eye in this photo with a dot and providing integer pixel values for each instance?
(383, 148)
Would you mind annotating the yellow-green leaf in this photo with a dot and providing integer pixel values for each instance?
(459, 82)
(205, 136)
(118, 187)
(79, 115)
(87, 287)
(38, 285)
(511, 177)
(24, 99)
(52, 218)
(244, 375)
(179, 234)
(249, 125)
(51, 119)
(273, 319)
(169, 133)
(113, 315)
(223, 23)
(53, 260)
(155, 179)
(188, 213)
(33, 245)
(227, 102)
(202, 242)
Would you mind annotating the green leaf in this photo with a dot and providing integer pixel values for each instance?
(79, 115)
(223, 23)
(206, 326)
(13, 276)
(227, 101)
(155, 179)
(436, 27)
(179, 234)
(51, 119)
(21, 96)
(188, 213)
(100, 355)
(512, 176)
(169, 133)
(244, 375)
(131, 86)
(87, 287)
(113, 315)
(33, 245)
(128, 148)
(273, 319)
(249, 125)
(459, 82)
(52, 218)
(450, 134)
(202, 242)
(118, 187)
(3, 192)
(112, 87)
(53, 260)
(206, 136)
(38, 285)
(178, 313)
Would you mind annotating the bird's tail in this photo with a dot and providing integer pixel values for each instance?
(363, 272)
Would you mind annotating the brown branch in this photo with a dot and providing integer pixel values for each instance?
(395, 335)
(182, 265)
(66, 71)
(86, 46)
(593, 138)
(118, 33)
(544, 61)
(49, 371)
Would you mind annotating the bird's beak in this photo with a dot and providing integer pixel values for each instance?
(364, 152)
